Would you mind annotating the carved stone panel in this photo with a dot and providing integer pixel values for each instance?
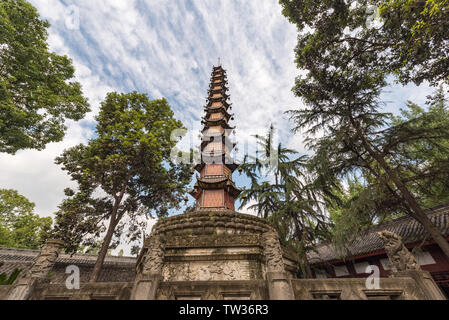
(273, 252)
(154, 259)
(213, 241)
(206, 271)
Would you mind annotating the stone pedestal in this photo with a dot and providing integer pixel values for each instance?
(146, 287)
(149, 272)
(38, 271)
(230, 249)
(424, 282)
(279, 285)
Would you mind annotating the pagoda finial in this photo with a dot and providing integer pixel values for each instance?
(219, 62)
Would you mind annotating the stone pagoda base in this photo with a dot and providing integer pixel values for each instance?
(236, 257)
(232, 249)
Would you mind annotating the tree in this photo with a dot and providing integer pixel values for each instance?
(126, 171)
(8, 280)
(37, 93)
(347, 64)
(417, 34)
(430, 189)
(357, 206)
(405, 38)
(20, 227)
(365, 201)
(283, 192)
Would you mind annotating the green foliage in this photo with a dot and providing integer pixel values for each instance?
(406, 38)
(20, 227)
(283, 192)
(36, 90)
(427, 159)
(126, 171)
(6, 280)
(413, 146)
(347, 61)
(358, 206)
(420, 32)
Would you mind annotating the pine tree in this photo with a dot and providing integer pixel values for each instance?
(124, 174)
(283, 192)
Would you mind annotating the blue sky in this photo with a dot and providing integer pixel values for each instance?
(166, 48)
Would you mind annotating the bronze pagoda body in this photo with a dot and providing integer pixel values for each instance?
(214, 187)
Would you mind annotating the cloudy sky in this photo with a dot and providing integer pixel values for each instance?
(166, 48)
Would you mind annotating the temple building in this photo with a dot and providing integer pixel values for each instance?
(367, 249)
(210, 253)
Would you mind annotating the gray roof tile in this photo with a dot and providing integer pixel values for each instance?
(368, 241)
(114, 268)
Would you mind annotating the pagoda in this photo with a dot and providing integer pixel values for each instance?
(215, 188)
(214, 252)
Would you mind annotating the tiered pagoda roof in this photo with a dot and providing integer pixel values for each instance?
(214, 187)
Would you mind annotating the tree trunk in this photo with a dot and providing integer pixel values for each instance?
(419, 215)
(308, 270)
(300, 237)
(104, 250)
(115, 218)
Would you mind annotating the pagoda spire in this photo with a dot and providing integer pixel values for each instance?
(215, 188)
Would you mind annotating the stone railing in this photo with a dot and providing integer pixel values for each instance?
(213, 290)
(39, 271)
(87, 291)
(4, 292)
(304, 289)
(355, 289)
(400, 288)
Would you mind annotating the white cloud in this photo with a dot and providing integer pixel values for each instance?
(166, 49)
(34, 174)
(249, 211)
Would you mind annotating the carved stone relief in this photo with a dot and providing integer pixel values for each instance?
(206, 271)
(45, 261)
(215, 241)
(273, 252)
(154, 259)
(176, 272)
(165, 293)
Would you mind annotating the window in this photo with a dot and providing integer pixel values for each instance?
(341, 271)
(360, 267)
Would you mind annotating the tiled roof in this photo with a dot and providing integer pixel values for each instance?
(26, 255)
(368, 241)
(112, 267)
